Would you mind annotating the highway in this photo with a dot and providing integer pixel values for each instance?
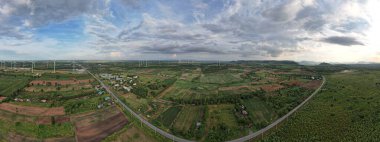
(154, 128)
(178, 139)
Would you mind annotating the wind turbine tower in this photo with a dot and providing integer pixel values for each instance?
(73, 66)
(54, 67)
(32, 67)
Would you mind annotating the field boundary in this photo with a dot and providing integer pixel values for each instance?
(278, 121)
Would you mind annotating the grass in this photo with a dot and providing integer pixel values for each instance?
(346, 110)
(167, 117)
(10, 84)
(188, 117)
(221, 77)
(260, 113)
(221, 114)
(61, 76)
(36, 131)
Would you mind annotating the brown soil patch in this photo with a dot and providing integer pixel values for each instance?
(59, 82)
(100, 130)
(233, 88)
(86, 119)
(134, 134)
(294, 83)
(66, 139)
(50, 120)
(19, 138)
(32, 111)
(2, 98)
(312, 84)
(272, 87)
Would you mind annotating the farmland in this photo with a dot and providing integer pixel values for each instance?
(345, 110)
(10, 83)
(43, 105)
(202, 101)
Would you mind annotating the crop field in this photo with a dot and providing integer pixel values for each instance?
(345, 110)
(11, 83)
(261, 113)
(64, 76)
(36, 131)
(167, 118)
(40, 106)
(204, 102)
(190, 120)
(221, 114)
(99, 128)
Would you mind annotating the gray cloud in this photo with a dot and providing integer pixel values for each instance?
(341, 40)
(247, 28)
(175, 48)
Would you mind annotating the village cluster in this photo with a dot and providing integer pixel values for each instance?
(119, 82)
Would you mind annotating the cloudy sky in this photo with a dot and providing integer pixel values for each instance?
(312, 30)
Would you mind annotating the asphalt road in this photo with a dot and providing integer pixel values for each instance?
(154, 128)
(178, 139)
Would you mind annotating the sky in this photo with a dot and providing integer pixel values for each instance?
(300, 30)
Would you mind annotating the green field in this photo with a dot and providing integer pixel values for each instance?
(167, 118)
(218, 114)
(261, 113)
(186, 122)
(12, 83)
(35, 131)
(347, 109)
(209, 95)
(63, 76)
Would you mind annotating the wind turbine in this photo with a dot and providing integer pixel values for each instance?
(73, 65)
(54, 67)
(32, 66)
(10, 61)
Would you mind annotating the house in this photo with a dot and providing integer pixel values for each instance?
(118, 78)
(198, 124)
(100, 92)
(244, 112)
(129, 88)
(107, 98)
